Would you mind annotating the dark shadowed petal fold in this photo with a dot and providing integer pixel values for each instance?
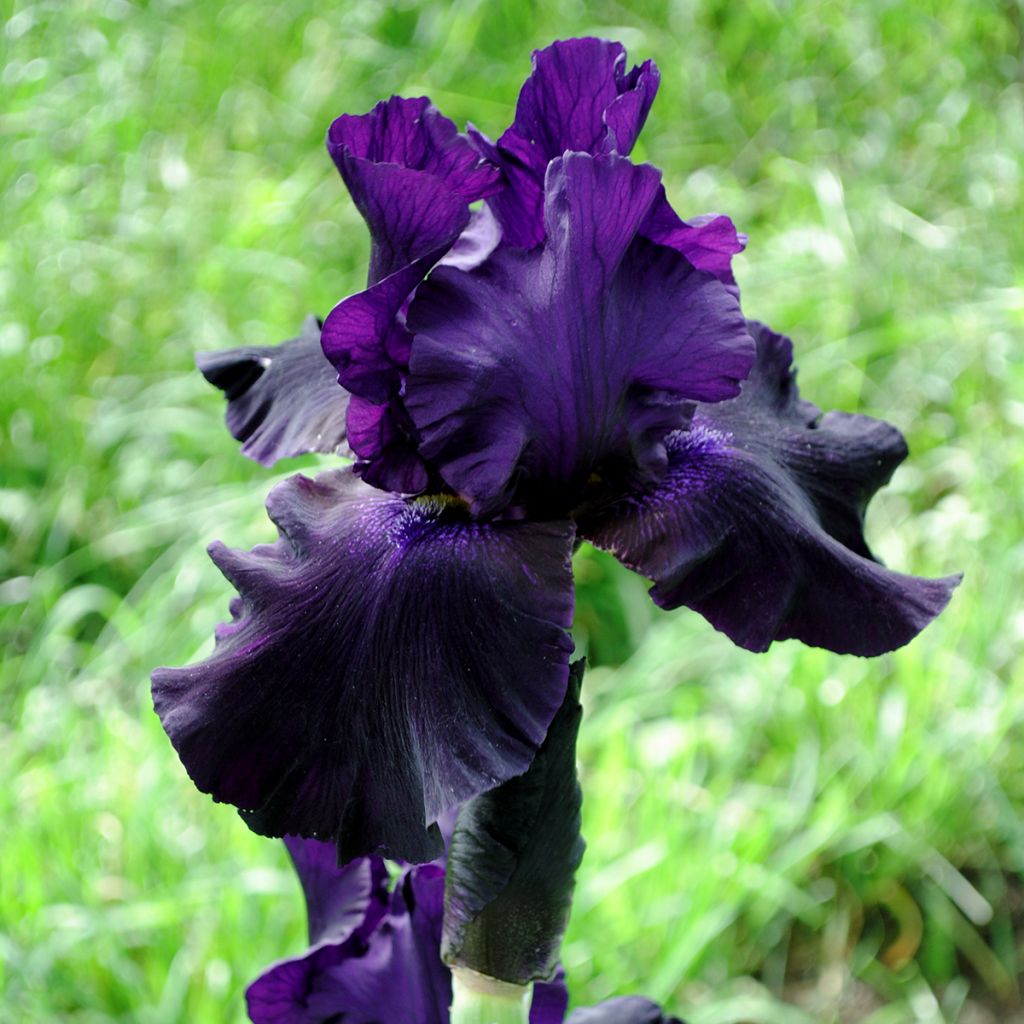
(388, 658)
(392, 975)
(385, 440)
(578, 97)
(624, 1010)
(758, 524)
(540, 368)
(519, 206)
(411, 176)
(339, 900)
(365, 340)
(708, 242)
(364, 337)
(283, 400)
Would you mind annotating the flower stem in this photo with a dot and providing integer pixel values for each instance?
(478, 999)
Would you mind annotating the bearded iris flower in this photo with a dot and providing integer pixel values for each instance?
(375, 954)
(545, 353)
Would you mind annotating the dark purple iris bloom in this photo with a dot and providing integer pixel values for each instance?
(404, 646)
(581, 101)
(375, 955)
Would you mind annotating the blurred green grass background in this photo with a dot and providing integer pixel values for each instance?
(783, 838)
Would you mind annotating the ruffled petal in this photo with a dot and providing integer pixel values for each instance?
(578, 97)
(391, 971)
(387, 659)
(365, 340)
(709, 242)
(623, 1010)
(412, 177)
(394, 974)
(386, 442)
(758, 524)
(364, 337)
(283, 400)
(340, 901)
(539, 369)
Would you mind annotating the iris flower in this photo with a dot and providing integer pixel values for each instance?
(375, 954)
(545, 354)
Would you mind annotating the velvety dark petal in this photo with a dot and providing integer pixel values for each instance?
(365, 340)
(385, 441)
(412, 177)
(283, 400)
(578, 97)
(388, 659)
(708, 242)
(550, 1000)
(339, 900)
(390, 973)
(394, 974)
(513, 859)
(364, 337)
(624, 1010)
(540, 368)
(758, 524)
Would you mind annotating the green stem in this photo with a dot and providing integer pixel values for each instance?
(478, 999)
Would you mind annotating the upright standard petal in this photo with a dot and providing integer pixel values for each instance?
(709, 242)
(411, 175)
(758, 524)
(365, 339)
(283, 400)
(578, 97)
(387, 659)
(541, 368)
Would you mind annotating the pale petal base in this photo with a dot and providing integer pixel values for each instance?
(478, 999)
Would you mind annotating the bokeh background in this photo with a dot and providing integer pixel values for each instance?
(783, 838)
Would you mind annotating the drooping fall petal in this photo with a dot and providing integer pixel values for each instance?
(758, 523)
(387, 660)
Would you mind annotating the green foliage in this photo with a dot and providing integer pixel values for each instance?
(781, 838)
